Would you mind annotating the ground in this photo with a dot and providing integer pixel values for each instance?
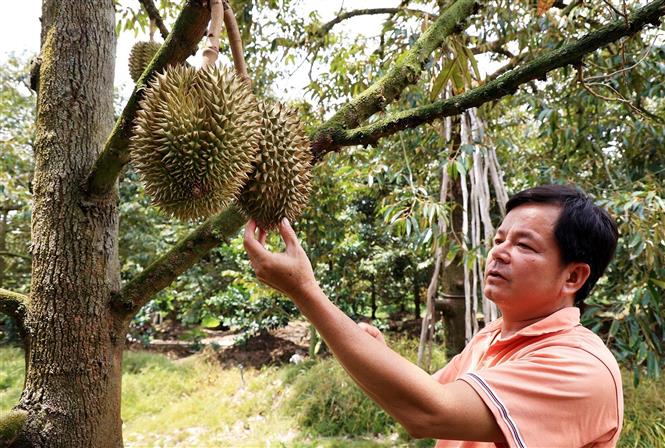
(275, 346)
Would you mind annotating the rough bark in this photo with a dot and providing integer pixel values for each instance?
(72, 390)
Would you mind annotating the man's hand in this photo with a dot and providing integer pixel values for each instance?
(372, 331)
(290, 271)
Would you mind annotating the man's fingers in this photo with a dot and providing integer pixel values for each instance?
(288, 235)
(262, 236)
(253, 247)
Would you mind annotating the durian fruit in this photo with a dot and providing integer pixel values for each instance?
(279, 186)
(140, 56)
(195, 140)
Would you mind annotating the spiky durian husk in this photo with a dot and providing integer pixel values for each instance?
(279, 186)
(140, 56)
(195, 140)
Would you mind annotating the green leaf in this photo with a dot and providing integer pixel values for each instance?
(442, 78)
(210, 322)
(659, 283)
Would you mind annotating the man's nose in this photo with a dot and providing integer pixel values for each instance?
(500, 253)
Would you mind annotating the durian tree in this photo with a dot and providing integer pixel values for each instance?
(76, 316)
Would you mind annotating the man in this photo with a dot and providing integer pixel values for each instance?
(534, 377)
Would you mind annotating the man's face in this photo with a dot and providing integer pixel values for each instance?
(524, 275)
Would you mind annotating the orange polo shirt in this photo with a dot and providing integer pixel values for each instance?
(552, 384)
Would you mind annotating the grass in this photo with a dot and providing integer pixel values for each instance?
(192, 402)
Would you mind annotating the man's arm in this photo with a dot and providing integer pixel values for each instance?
(422, 405)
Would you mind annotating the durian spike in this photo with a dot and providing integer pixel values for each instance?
(235, 42)
(211, 51)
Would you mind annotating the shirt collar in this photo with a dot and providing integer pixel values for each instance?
(564, 319)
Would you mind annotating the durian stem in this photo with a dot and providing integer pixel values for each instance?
(152, 30)
(211, 51)
(235, 41)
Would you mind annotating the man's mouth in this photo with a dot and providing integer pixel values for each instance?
(493, 273)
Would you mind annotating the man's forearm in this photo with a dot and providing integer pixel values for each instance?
(401, 388)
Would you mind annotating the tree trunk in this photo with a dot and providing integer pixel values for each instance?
(452, 277)
(72, 391)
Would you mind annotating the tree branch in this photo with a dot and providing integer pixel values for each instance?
(326, 27)
(15, 306)
(182, 42)
(153, 13)
(505, 84)
(405, 71)
(213, 232)
(11, 424)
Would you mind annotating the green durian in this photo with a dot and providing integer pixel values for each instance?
(195, 140)
(140, 56)
(279, 185)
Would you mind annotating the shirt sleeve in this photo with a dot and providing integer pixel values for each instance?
(449, 372)
(555, 397)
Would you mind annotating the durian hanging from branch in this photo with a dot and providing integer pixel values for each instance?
(279, 186)
(141, 54)
(196, 135)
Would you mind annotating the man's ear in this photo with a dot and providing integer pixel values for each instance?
(578, 273)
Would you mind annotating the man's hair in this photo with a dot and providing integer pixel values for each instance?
(584, 231)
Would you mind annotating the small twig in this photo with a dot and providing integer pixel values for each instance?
(153, 13)
(235, 41)
(624, 69)
(613, 8)
(211, 51)
(618, 98)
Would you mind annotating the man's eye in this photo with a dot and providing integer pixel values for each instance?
(497, 242)
(524, 246)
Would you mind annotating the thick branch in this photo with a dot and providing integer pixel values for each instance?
(405, 71)
(505, 84)
(14, 305)
(153, 13)
(182, 42)
(213, 232)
